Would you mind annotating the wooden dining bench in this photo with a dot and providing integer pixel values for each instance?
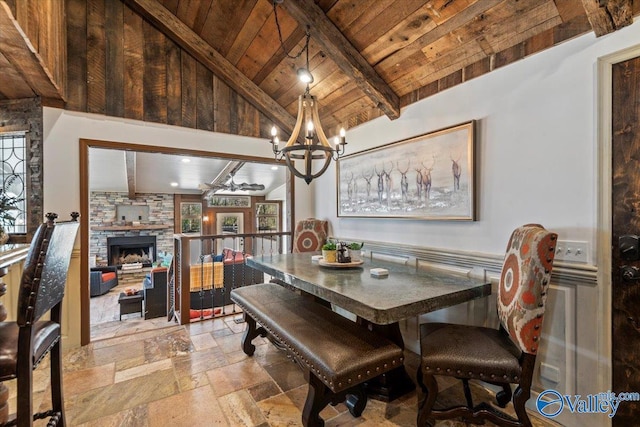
(336, 354)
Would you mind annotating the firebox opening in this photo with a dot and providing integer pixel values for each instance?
(128, 250)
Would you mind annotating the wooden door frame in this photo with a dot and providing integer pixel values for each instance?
(604, 214)
(85, 145)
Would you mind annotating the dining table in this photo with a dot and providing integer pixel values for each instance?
(379, 302)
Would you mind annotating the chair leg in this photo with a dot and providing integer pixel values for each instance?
(429, 386)
(24, 413)
(356, 401)
(467, 393)
(504, 397)
(520, 397)
(57, 399)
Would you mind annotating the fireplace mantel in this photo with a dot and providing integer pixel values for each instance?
(130, 227)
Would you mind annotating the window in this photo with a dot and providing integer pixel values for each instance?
(14, 175)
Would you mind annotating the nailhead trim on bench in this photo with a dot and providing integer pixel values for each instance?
(357, 377)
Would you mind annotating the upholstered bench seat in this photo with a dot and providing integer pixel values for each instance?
(338, 354)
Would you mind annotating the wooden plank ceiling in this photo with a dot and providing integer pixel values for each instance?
(368, 57)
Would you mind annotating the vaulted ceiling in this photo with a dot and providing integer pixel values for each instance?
(368, 57)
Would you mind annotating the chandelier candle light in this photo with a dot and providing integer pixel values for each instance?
(314, 145)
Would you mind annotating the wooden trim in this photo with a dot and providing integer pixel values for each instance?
(85, 319)
(130, 227)
(127, 146)
(346, 57)
(565, 273)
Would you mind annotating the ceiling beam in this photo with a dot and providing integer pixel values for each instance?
(607, 16)
(197, 47)
(130, 160)
(21, 55)
(344, 54)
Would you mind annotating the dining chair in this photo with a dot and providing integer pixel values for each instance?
(309, 235)
(501, 356)
(30, 338)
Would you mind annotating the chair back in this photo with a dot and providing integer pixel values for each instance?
(309, 235)
(522, 292)
(45, 272)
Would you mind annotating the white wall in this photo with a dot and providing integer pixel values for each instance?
(537, 161)
(536, 150)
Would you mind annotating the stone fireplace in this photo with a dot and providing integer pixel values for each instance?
(131, 249)
(106, 224)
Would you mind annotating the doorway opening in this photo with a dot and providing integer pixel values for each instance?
(117, 180)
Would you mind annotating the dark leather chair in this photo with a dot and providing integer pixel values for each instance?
(501, 356)
(25, 342)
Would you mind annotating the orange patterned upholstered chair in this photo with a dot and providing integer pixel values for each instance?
(501, 356)
(309, 235)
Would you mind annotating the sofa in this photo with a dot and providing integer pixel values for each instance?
(102, 280)
(212, 280)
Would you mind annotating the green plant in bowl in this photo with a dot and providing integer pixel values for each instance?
(329, 246)
(354, 248)
(329, 253)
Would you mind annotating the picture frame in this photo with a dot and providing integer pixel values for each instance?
(428, 177)
(222, 201)
(190, 217)
(229, 223)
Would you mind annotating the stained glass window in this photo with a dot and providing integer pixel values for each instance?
(13, 175)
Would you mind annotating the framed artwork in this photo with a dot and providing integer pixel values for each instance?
(221, 201)
(430, 176)
(230, 223)
(190, 217)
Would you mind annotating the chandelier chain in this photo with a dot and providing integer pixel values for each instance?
(306, 44)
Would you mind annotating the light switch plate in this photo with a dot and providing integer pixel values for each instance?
(572, 251)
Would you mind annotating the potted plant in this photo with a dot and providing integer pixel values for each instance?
(329, 251)
(8, 205)
(354, 248)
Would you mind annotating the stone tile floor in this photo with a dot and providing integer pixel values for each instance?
(197, 375)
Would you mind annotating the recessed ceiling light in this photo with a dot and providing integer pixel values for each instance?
(185, 160)
(174, 184)
(274, 168)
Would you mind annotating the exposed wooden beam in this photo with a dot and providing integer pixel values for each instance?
(20, 53)
(182, 35)
(607, 16)
(344, 54)
(130, 160)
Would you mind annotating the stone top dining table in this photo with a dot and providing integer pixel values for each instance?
(406, 292)
(380, 302)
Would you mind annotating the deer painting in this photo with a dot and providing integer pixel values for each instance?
(457, 170)
(426, 178)
(404, 182)
(367, 178)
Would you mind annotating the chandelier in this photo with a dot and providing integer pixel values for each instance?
(313, 150)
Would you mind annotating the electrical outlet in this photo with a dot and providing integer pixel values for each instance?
(572, 251)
